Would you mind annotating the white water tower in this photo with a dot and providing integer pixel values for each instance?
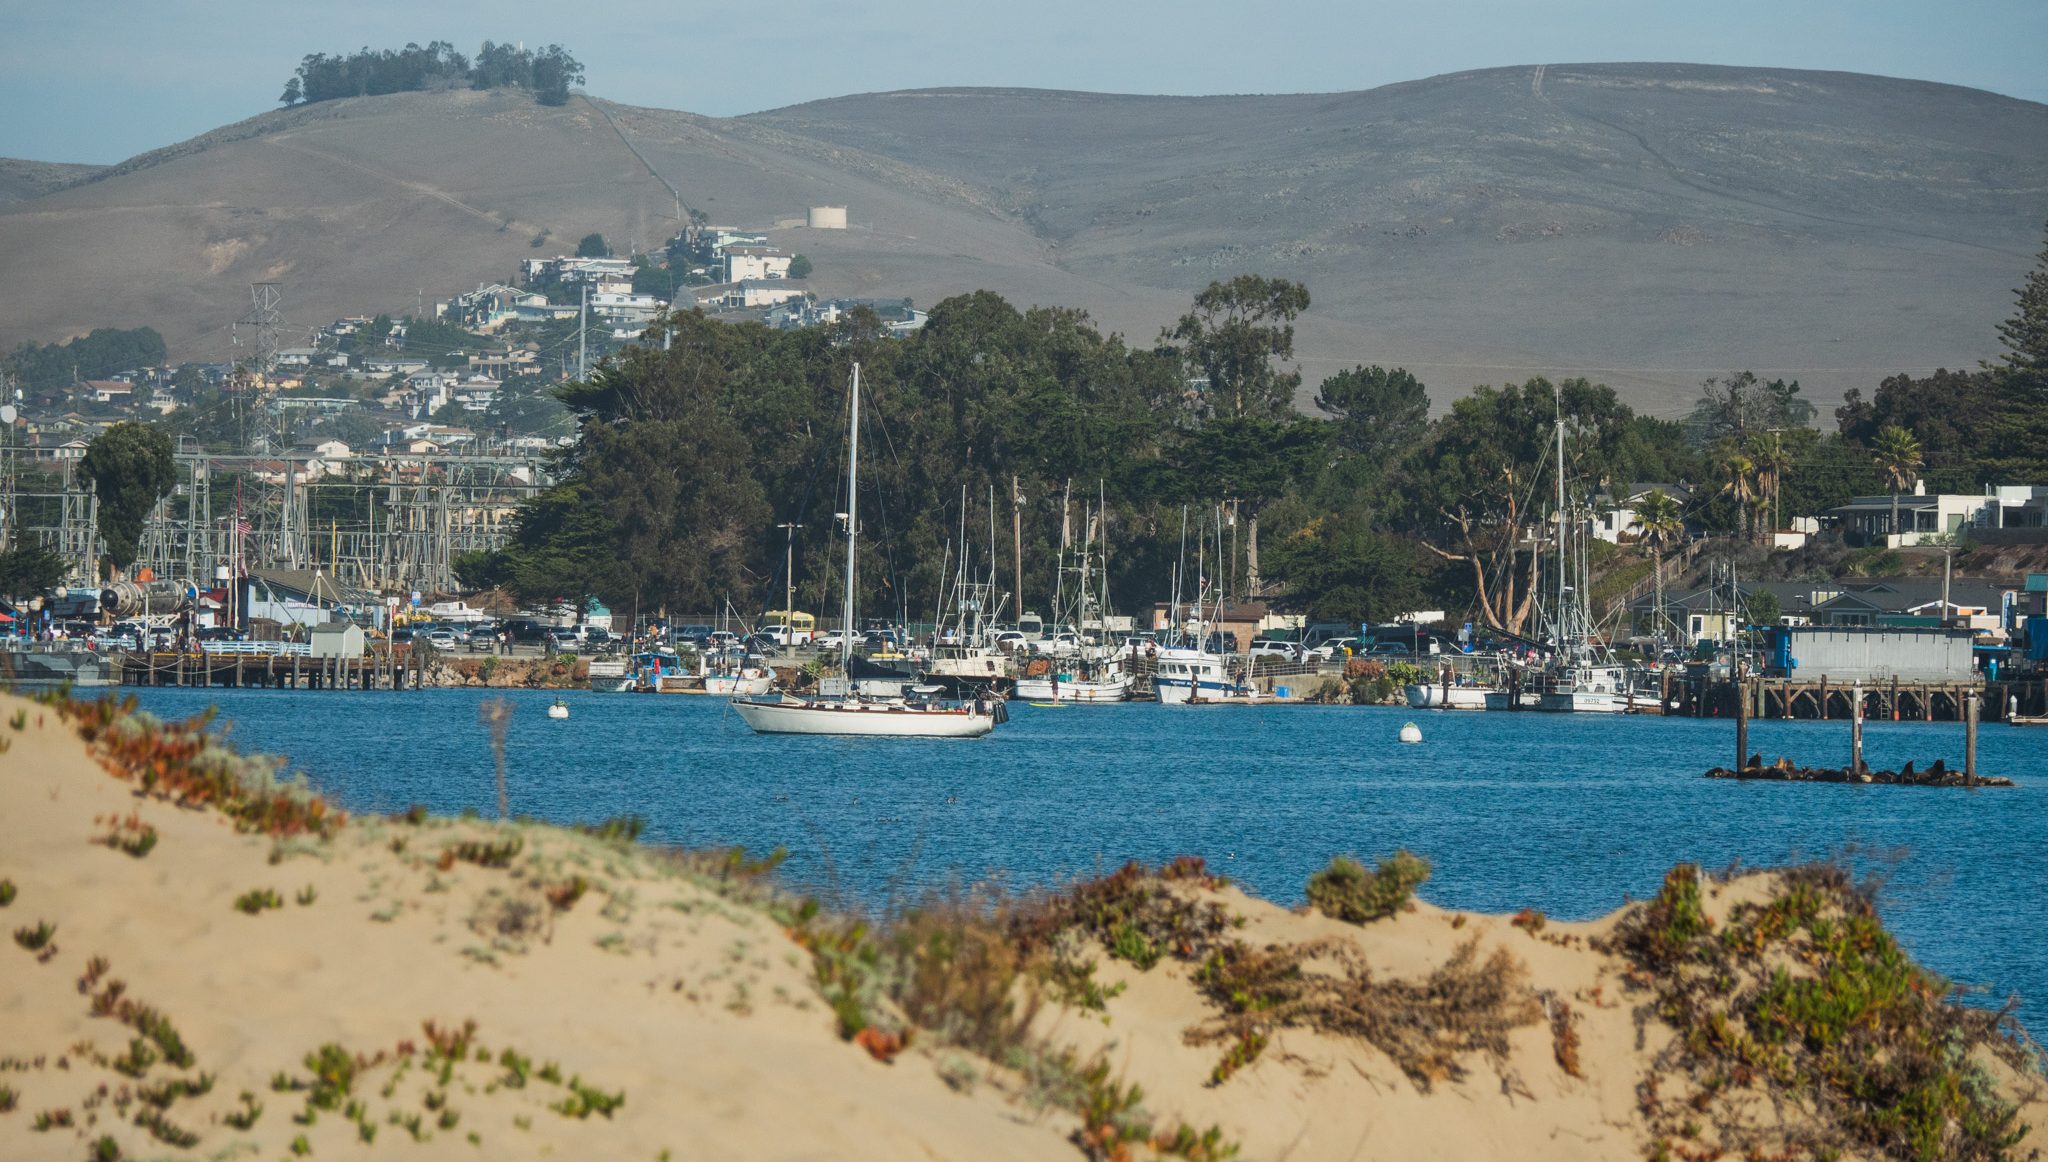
(827, 218)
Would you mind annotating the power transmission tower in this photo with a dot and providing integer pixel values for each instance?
(266, 315)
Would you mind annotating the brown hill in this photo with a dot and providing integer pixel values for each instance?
(27, 179)
(1643, 224)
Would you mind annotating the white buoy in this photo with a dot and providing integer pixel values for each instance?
(1410, 732)
(559, 710)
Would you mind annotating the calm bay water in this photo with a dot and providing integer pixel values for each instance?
(1567, 814)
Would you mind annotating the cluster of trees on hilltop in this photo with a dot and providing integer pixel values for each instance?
(546, 73)
(45, 366)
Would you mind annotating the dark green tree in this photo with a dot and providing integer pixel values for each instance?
(593, 245)
(1484, 482)
(1231, 339)
(131, 469)
(2025, 334)
(799, 267)
(1350, 573)
(1379, 413)
(1737, 405)
(28, 568)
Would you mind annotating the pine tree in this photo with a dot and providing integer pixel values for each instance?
(2025, 335)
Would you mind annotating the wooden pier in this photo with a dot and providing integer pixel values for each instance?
(1827, 699)
(382, 670)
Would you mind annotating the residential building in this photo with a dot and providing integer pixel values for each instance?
(752, 263)
(1938, 518)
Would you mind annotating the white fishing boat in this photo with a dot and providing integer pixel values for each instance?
(917, 714)
(1056, 686)
(1582, 677)
(1192, 676)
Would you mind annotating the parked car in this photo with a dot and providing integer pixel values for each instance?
(762, 645)
(1273, 648)
(696, 636)
(441, 639)
(566, 638)
(1390, 650)
(526, 630)
(1221, 643)
(833, 641)
(783, 635)
(221, 633)
(1059, 645)
(1337, 648)
(1010, 641)
(598, 639)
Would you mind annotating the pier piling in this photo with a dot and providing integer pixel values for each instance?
(1856, 733)
(1970, 740)
(1741, 724)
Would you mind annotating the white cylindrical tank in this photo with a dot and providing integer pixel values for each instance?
(828, 218)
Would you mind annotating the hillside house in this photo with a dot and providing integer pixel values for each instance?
(1614, 518)
(755, 263)
(625, 312)
(1938, 518)
(109, 390)
(491, 306)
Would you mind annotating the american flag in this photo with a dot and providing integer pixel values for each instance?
(241, 528)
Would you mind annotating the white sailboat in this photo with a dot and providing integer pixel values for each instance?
(916, 714)
(1191, 674)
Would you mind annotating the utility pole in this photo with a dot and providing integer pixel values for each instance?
(582, 335)
(789, 579)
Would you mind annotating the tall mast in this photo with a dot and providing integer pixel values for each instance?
(852, 512)
(1566, 626)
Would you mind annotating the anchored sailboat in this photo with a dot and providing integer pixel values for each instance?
(919, 713)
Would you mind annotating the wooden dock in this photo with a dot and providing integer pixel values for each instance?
(394, 669)
(1826, 699)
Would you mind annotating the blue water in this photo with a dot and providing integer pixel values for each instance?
(1567, 814)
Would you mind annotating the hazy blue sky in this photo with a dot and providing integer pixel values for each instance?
(102, 81)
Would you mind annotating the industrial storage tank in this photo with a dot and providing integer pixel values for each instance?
(828, 218)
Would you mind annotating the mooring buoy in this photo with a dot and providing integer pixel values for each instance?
(1411, 732)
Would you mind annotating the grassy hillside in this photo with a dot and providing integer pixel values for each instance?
(27, 179)
(1644, 224)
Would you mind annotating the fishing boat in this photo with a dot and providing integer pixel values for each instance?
(1582, 676)
(915, 714)
(1191, 676)
(1188, 672)
(1070, 663)
(1066, 683)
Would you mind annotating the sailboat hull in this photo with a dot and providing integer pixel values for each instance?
(1423, 697)
(797, 716)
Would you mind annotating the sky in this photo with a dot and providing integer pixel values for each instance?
(104, 81)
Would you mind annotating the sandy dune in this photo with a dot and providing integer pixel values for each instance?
(593, 968)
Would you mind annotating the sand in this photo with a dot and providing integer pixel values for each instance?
(663, 985)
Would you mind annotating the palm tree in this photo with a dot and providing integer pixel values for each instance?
(1772, 462)
(1660, 527)
(1738, 468)
(1898, 456)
